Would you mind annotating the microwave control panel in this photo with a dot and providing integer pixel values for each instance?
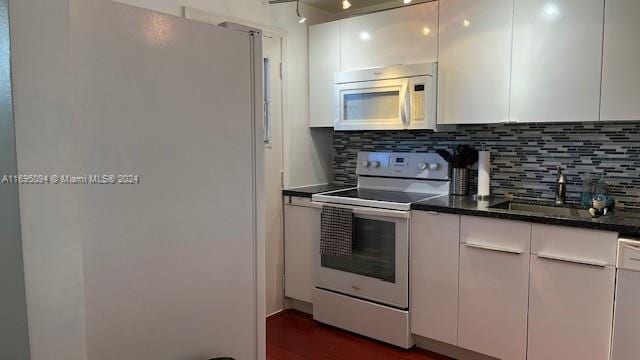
(403, 165)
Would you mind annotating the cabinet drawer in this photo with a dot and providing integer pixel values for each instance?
(629, 254)
(494, 234)
(590, 247)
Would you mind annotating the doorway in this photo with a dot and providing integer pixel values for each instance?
(274, 175)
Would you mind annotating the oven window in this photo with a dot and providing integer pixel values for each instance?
(371, 105)
(373, 251)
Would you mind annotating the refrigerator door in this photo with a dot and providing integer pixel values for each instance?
(168, 265)
(14, 335)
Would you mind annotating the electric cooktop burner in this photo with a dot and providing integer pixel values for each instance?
(383, 195)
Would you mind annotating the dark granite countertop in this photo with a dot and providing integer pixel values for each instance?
(308, 191)
(627, 223)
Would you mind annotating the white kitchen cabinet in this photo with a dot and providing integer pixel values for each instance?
(301, 236)
(494, 287)
(474, 61)
(324, 62)
(557, 60)
(405, 35)
(621, 73)
(571, 294)
(434, 275)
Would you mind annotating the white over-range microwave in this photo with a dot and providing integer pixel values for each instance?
(400, 97)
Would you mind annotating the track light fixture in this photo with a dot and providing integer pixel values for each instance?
(345, 4)
(301, 19)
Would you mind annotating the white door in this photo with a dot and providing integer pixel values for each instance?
(324, 62)
(621, 73)
(406, 35)
(571, 293)
(557, 60)
(272, 46)
(165, 268)
(494, 287)
(474, 61)
(433, 277)
(570, 310)
(302, 236)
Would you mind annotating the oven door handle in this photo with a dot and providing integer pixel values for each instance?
(366, 211)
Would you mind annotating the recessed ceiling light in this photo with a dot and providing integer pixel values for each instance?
(466, 23)
(345, 4)
(407, 2)
(426, 31)
(365, 36)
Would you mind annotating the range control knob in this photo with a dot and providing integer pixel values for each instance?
(434, 166)
(422, 166)
(366, 164)
(376, 164)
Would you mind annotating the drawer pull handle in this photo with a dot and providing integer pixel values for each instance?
(631, 247)
(493, 248)
(572, 260)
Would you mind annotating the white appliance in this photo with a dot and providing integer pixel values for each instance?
(400, 97)
(627, 317)
(372, 285)
(170, 267)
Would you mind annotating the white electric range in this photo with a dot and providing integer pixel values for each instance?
(372, 285)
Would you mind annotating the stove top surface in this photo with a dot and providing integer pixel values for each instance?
(400, 197)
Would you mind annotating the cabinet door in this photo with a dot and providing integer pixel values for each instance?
(407, 35)
(621, 73)
(324, 62)
(434, 275)
(474, 61)
(557, 60)
(301, 236)
(571, 310)
(494, 287)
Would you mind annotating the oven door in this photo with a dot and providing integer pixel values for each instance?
(378, 269)
(373, 105)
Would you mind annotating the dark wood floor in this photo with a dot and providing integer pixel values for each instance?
(292, 335)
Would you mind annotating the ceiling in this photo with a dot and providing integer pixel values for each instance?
(335, 6)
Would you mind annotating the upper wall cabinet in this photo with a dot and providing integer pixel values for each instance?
(557, 60)
(406, 35)
(324, 62)
(474, 61)
(621, 73)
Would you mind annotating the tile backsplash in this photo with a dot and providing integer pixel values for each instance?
(524, 156)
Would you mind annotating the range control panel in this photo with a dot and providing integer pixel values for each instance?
(403, 165)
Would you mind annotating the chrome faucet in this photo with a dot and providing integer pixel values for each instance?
(561, 188)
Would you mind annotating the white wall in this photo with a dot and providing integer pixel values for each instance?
(308, 153)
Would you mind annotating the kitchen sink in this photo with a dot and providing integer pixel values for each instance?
(544, 209)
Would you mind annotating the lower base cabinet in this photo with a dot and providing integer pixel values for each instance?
(435, 249)
(301, 235)
(571, 310)
(525, 291)
(493, 303)
(494, 287)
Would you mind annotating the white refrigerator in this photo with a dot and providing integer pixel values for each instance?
(169, 267)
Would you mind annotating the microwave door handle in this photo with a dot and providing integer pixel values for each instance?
(406, 105)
